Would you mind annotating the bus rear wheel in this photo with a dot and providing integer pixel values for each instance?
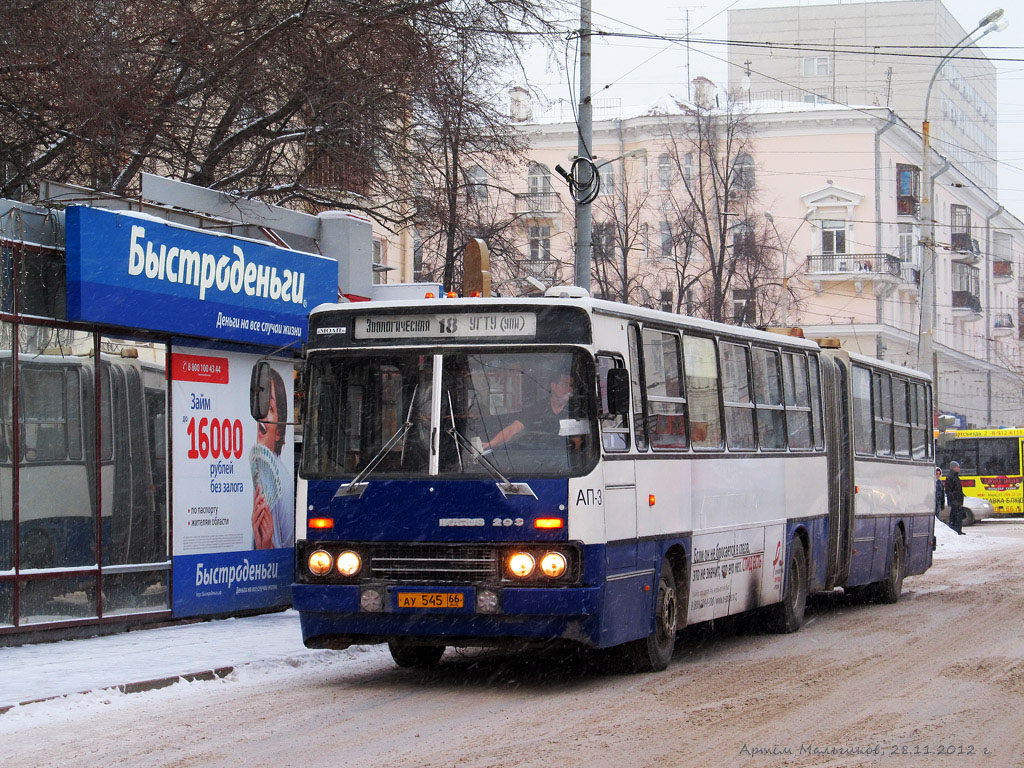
(889, 590)
(788, 616)
(654, 652)
(412, 655)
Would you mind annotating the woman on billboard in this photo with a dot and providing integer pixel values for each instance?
(273, 516)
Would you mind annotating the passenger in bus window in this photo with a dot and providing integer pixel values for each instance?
(273, 523)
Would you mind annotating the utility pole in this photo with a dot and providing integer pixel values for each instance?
(586, 139)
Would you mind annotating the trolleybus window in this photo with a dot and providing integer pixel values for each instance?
(525, 412)
(798, 400)
(44, 405)
(517, 412)
(614, 426)
(702, 390)
(358, 404)
(987, 456)
(819, 436)
(901, 417)
(666, 406)
(921, 419)
(863, 434)
(771, 416)
(739, 407)
(639, 423)
(883, 414)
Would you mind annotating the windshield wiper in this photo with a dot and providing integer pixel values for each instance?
(356, 487)
(506, 486)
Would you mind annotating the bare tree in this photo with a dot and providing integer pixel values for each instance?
(713, 210)
(312, 102)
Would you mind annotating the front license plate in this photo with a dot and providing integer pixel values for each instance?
(430, 600)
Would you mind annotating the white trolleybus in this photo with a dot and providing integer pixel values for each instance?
(502, 471)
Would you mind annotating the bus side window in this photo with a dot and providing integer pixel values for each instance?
(819, 435)
(635, 373)
(919, 423)
(798, 401)
(863, 432)
(883, 414)
(701, 365)
(614, 426)
(666, 406)
(739, 406)
(771, 415)
(901, 417)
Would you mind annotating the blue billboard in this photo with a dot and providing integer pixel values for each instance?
(134, 270)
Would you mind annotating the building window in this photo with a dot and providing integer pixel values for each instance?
(908, 183)
(378, 262)
(816, 66)
(476, 183)
(960, 227)
(417, 256)
(540, 242)
(665, 172)
(691, 302)
(644, 182)
(833, 236)
(688, 167)
(665, 240)
(908, 243)
(743, 306)
(744, 244)
(667, 300)
(539, 179)
(743, 172)
(607, 179)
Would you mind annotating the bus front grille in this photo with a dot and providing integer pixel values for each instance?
(428, 564)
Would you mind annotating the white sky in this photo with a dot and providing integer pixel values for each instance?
(637, 71)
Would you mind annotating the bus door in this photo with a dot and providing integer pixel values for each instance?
(619, 477)
(835, 393)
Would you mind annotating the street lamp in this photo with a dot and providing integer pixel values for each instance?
(785, 262)
(993, 22)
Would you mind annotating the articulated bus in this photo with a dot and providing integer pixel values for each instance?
(507, 471)
(990, 465)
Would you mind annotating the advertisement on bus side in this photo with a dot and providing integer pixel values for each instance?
(234, 498)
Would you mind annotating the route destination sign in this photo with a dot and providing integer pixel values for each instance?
(447, 326)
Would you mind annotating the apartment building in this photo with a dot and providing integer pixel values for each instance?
(874, 54)
(843, 187)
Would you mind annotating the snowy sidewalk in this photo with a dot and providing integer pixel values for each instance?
(44, 670)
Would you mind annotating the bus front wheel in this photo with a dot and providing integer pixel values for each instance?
(788, 616)
(414, 655)
(654, 652)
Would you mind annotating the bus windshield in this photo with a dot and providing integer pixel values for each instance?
(982, 456)
(520, 413)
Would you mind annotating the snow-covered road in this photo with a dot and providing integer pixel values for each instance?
(942, 669)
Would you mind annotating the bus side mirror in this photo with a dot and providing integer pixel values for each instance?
(618, 391)
(259, 390)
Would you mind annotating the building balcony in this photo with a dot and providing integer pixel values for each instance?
(1002, 324)
(539, 205)
(908, 205)
(881, 270)
(1002, 271)
(545, 270)
(965, 248)
(966, 305)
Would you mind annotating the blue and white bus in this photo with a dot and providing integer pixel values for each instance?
(506, 471)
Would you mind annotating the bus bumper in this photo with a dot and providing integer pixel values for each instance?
(331, 616)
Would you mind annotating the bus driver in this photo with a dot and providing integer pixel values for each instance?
(545, 417)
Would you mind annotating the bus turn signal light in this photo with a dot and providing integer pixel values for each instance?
(321, 522)
(650, 500)
(548, 522)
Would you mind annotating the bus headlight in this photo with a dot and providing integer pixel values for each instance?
(320, 562)
(521, 564)
(553, 564)
(349, 563)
